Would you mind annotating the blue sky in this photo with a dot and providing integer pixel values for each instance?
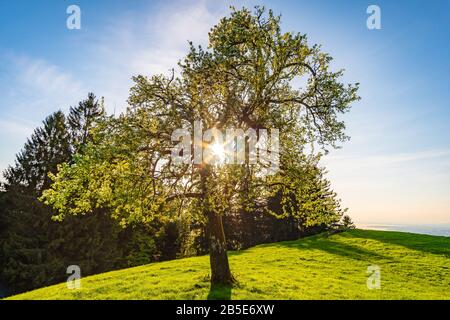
(395, 169)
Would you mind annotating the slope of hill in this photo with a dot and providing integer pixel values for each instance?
(412, 266)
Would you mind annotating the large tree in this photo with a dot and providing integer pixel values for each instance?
(248, 77)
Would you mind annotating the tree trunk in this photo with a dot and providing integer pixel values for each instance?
(220, 268)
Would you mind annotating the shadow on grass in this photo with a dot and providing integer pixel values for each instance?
(336, 248)
(414, 241)
(220, 292)
(326, 243)
(424, 243)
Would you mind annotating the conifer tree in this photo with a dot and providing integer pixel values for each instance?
(47, 147)
(82, 119)
(35, 250)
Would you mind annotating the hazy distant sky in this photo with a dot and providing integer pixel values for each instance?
(396, 168)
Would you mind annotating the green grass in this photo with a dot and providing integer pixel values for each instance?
(320, 267)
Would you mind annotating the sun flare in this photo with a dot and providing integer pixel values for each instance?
(218, 151)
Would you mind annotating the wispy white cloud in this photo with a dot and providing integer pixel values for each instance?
(149, 42)
(48, 79)
(14, 127)
(31, 88)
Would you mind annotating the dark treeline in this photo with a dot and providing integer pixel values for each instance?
(35, 250)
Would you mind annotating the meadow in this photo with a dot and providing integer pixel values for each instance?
(324, 266)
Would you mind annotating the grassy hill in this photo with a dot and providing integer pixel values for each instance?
(320, 267)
